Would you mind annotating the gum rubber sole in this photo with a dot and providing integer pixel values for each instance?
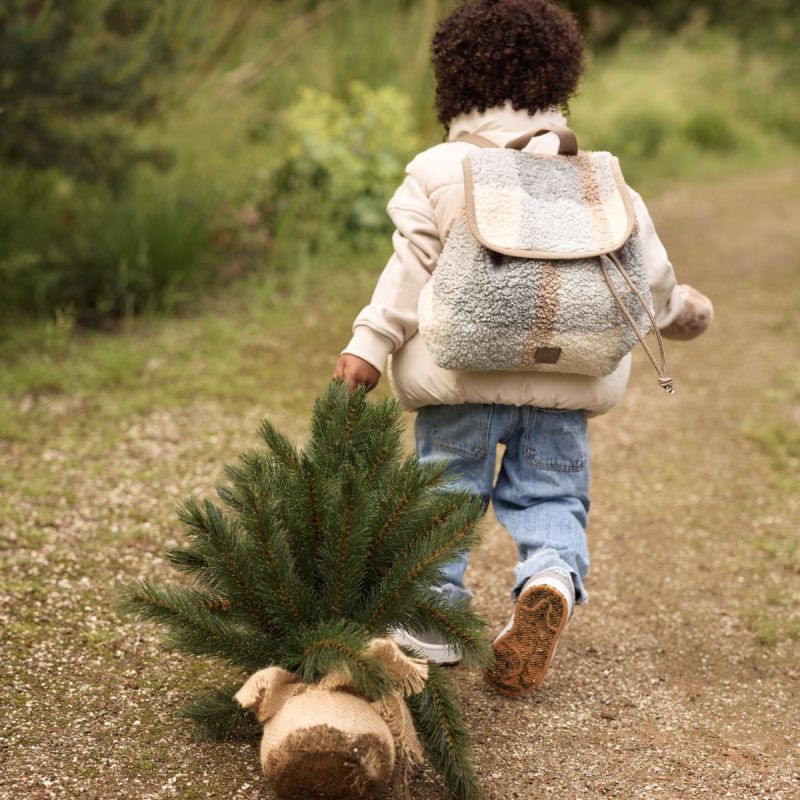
(523, 653)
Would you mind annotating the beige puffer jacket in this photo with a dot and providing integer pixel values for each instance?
(423, 209)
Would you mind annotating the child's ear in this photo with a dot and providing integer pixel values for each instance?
(265, 692)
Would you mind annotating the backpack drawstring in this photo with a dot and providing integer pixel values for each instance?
(664, 381)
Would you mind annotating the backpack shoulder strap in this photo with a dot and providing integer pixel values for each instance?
(568, 144)
(567, 141)
(476, 139)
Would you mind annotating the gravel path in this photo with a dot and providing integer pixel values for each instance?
(680, 679)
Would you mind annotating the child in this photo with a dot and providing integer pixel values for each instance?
(503, 68)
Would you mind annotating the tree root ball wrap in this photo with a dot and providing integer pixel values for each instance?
(323, 741)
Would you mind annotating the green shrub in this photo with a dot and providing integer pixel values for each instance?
(710, 130)
(71, 246)
(783, 119)
(79, 76)
(638, 135)
(343, 159)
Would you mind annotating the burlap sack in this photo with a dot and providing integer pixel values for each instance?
(327, 745)
(322, 742)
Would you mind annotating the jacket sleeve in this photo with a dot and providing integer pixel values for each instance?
(390, 319)
(667, 295)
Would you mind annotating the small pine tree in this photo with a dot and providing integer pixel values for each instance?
(317, 552)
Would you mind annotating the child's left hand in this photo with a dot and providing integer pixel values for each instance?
(694, 319)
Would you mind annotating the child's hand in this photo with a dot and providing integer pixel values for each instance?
(695, 317)
(354, 371)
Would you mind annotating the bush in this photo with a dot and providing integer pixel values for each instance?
(79, 76)
(84, 226)
(710, 130)
(639, 135)
(66, 245)
(343, 160)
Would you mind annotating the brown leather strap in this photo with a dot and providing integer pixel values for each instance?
(567, 141)
(664, 381)
(475, 138)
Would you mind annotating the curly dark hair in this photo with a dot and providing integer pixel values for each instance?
(487, 52)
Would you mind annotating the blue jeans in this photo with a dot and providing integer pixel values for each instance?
(542, 492)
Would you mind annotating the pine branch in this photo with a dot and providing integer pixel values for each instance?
(340, 644)
(428, 514)
(240, 494)
(250, 492)
(420, 567)
(294, 519)
(336, 413)
(269, 550)
(347, 430)
(412, 483)
(253, 563)
(188, 560)
(444, 734)
(346, 530)
(220, 717)
(311, 478)
(264, 494)
(348, 533)
(437, 511)
(228, 569)
(264, 555)
(196, 626)
(456, 623)
(382, 452)
(282, 449)
(353, 409)
(293, 599)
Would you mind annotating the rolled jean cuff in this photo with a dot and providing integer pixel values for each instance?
(543, 560)
(455, 593)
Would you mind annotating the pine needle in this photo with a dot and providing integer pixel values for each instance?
(444, 735)
(456, 623)
(280, 446)
(341, 645)
(220, 717)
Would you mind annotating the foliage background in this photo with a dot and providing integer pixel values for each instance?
(152, 154)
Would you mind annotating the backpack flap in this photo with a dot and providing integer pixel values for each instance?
(547, 207)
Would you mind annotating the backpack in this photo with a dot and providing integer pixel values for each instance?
(545, 269)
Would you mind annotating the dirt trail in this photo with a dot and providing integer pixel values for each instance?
(659, 689)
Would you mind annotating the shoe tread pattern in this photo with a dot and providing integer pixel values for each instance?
(523, 654)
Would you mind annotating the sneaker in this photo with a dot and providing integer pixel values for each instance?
(429, 646)
(525, 647)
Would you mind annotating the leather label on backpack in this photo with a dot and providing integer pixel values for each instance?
(547, 355)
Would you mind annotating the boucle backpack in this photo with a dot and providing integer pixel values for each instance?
(544, 271)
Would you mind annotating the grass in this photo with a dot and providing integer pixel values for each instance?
(776, 431)
(227, 353)
(93, 459)
(776, 428)
(692, 106)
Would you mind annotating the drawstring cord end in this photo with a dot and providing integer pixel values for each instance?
(667, 385)
(664, 381)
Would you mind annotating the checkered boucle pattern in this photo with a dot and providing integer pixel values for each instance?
(564, 206)
(485, 312)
